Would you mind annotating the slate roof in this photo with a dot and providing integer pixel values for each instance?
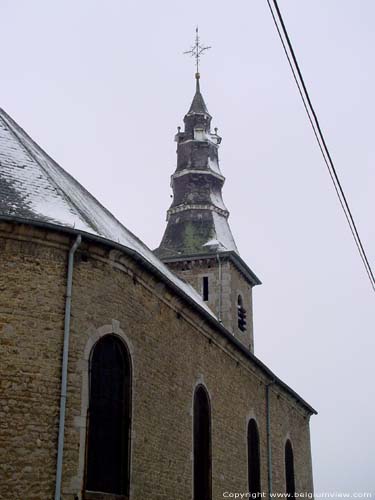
(197, 220)
(33, 187)
(198, 105)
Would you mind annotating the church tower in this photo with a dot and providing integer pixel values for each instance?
(198, 244)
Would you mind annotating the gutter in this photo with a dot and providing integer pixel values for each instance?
(269, 444)
(64, 374)
(233, 256)
(220, 288)
(212, 320)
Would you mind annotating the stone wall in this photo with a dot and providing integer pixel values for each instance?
(226, 283)
(173, 349)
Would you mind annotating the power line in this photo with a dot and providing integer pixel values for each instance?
(293, 63)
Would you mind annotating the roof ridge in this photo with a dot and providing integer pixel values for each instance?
(68, 177)
(14, 125)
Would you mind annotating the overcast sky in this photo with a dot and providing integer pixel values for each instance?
(102, 87)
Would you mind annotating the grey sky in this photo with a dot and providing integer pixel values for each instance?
(102, 86)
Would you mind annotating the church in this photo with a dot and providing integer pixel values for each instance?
(128, 373)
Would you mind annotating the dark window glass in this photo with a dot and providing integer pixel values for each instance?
(253, 457)
(289, 470)
(108, 455)
(205, 288)
(202, 445)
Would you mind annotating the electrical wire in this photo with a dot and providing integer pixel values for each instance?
(297, 75)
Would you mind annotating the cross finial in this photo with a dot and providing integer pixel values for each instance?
(197, 50)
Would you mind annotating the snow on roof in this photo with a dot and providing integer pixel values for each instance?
(215, 245)
(217, 199)
(223, 233)
(214, 165)
(34, 187)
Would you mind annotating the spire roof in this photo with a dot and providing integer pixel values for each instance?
(198, 105)
(197, 217)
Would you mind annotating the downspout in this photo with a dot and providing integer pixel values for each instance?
(220, 287)
(64, 374)
(269, 450)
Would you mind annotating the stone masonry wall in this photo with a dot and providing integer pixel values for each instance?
(223, 295)
(172, 347)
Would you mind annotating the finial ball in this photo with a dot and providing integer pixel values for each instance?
(197, 75)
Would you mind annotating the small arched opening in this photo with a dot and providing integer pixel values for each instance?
(241, 315)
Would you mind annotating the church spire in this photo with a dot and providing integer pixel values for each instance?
(197, 243)
(197, 218)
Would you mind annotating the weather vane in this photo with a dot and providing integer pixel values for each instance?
(197, 50)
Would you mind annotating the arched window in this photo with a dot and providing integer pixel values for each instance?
(241, 314)
(202, 445)
(253, 457)
(289, 470)
(108, 448)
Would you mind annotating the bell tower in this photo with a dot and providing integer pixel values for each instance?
(198, 244)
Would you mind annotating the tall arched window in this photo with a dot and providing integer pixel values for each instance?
(289, 470)
(202, 445)
(108, 448)
(253, 457)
